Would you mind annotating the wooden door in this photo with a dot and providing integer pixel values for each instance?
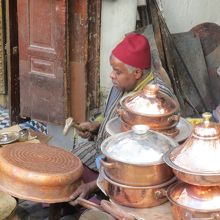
(42, 27)
(12, 61)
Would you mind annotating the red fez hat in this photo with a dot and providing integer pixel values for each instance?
(134, 50)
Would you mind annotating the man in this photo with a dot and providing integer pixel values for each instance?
(131, 72)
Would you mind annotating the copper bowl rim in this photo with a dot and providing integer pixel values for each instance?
(174, 110)
(169, 162)
(167, 183)
(168, 193)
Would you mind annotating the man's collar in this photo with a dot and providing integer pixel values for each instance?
(144, 82)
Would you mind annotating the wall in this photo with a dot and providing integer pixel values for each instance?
(182, 15)
(118, 18)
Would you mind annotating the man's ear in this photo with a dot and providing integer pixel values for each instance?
(138, 74)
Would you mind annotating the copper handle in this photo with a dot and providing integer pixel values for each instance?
(173, 118)
(160, 194)
(151, 90)
(107, 164)
(212, 217)
(122, 113)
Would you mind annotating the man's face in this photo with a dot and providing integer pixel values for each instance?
(121, 77)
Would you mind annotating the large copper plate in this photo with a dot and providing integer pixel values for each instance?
(185, 128)
(39, 172)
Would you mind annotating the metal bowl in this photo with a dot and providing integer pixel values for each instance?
(8, 137)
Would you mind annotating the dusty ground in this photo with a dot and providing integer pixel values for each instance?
(27, 210)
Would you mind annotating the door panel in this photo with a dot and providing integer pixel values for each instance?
(3, 88)
(42, 59)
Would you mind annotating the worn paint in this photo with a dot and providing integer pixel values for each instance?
(78, 55)
(42, 59)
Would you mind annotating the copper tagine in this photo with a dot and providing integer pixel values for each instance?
(39, 172)
(150, 107)
(201, 152)
(197, 160)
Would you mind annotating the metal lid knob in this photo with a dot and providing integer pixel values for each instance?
(151, 90)
(206, 117)
(140, 129)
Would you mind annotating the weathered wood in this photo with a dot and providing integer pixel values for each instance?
(93, 70)
(188, 45)
(174, 78)
(42, 59)
(157, 32)
(175, 67)
(213, 63)
(3, 82)
(12, 61)
(168, 49)
(156, 62)
(209, 34)
(144, 19)
(78, 58)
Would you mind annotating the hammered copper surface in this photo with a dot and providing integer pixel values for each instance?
(137, 197)
(195, 178)
(132, 175)
(194, 202)
(162, 121)
(196, 161)
(39, 172)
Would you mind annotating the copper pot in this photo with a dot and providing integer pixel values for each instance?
(196, 161)
(39, 172)
(162, 116)
(135, 172)
(136, 197)
(190, 202)
(134, 175)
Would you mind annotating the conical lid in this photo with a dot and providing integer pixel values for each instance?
(195, 197)
(150, 101)
(139, 146)
(201, 152)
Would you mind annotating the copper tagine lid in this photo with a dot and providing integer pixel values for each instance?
(202, 198)
(150, 101)
(201, 152)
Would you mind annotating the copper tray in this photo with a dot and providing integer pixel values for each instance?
(39, 172)
(185, 128)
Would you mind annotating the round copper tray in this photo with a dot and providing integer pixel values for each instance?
(39, 172)
(185, 128)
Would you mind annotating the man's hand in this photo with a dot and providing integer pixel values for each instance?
(83, 191)
(88, 129)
